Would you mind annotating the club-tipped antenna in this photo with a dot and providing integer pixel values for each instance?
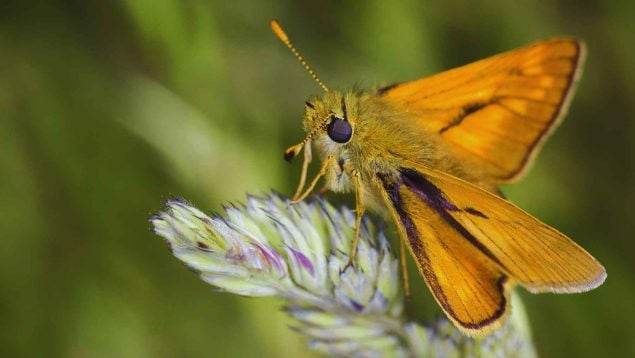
(277, 29)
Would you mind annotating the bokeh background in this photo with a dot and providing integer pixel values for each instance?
(107, 108)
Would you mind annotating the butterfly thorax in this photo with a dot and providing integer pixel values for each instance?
(383, 140)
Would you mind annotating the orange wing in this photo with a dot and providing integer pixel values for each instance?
(495, 113)
(472, 247)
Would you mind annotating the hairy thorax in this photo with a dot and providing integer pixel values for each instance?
(383, 140)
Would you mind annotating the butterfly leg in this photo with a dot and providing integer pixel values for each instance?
(323, 189)
(305, 167)
(328, 162)
(404, 267)
(359, 214)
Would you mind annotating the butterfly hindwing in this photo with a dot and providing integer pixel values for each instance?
(472, 247)
(469, 289)
(495, 113)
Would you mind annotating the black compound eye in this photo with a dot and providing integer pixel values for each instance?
(339, 130)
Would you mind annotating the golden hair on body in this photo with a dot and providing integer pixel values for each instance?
(431, 154)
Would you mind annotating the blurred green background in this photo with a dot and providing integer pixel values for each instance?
(108, 108)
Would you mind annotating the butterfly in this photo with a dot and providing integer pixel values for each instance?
(431, 154)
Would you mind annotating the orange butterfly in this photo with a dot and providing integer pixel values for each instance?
(431, 153)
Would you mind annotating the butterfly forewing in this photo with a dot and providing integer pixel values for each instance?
(496, 112)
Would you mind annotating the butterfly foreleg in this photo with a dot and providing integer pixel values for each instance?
(305, 167)
(326, 164)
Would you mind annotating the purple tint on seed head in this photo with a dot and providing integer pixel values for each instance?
(272, 256)
(303, 260)
(379, 297)
(176, 202)
(235, 255)
(358, 307)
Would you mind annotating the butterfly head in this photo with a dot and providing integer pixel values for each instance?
(327, 115)
(329, 122)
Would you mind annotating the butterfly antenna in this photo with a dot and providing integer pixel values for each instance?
(277, 29)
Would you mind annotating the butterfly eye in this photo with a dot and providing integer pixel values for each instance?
(339, 130)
